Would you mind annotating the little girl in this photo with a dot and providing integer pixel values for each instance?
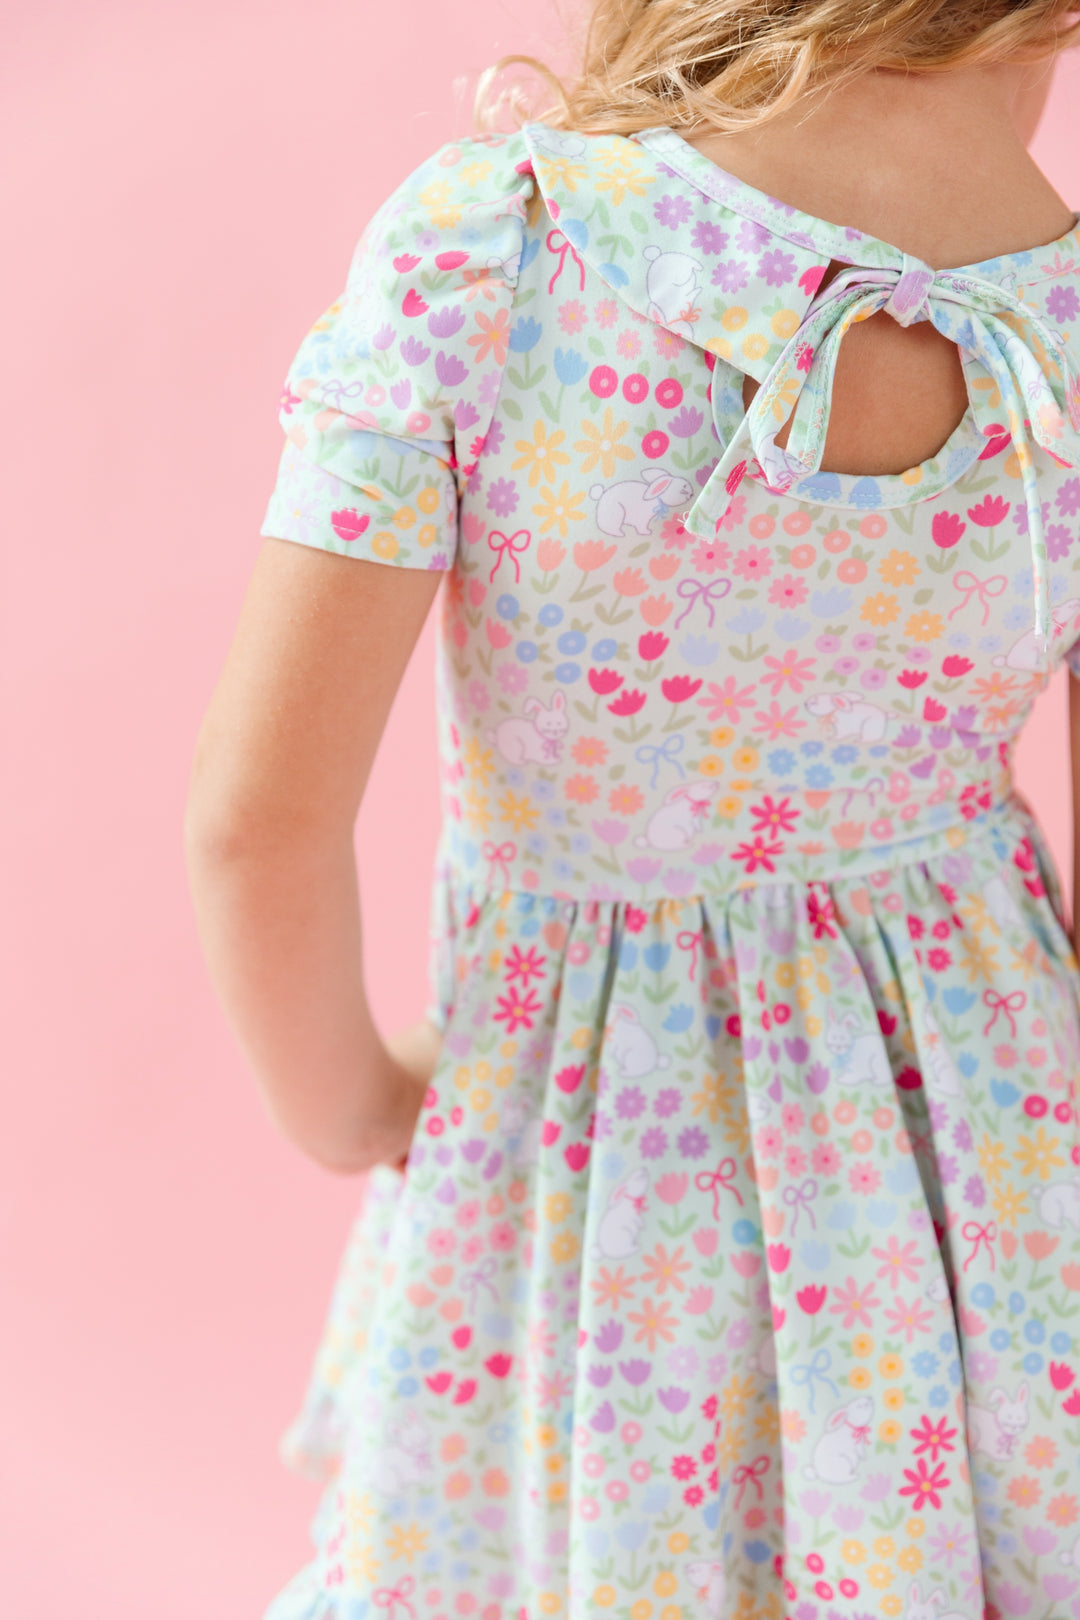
(720, 1247)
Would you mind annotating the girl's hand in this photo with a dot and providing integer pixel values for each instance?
(415, 1049)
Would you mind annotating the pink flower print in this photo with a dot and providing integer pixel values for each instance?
(517, 1010)
(933, 1436)
(711, 555)
(753, 562)
(674, 533)
(791, 670)
(572, 316)
(854, 1302)
(825, 1159)
(774, 816)
(734, 513)
(990, 511)
(777, 722)
(512, 678)
(787, 591)
(804, 357)
(862, 1178)
(524, 965)
(493, 336)
(678, 688)
(606, 313)
(727, 701)
(946, 529)
(288, 400)
(756, 852)
(924, 1485)
(667, 344)
(349, 524)
(628, 345)
(899, 1261)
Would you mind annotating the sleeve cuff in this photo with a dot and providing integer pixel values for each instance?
(405, 513)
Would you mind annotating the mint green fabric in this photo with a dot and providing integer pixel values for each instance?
(733, 1270)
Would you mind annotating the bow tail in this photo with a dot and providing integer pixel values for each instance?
(789, 386)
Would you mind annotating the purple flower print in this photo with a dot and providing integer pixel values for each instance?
(630, 1102)
(947, 1167)
(383, 338)
(683, 1361)
(653, 1143)
(686, 422)
(708, 238)
(667, 1102)
(730, 275)
(777, 267)
(752, 236)
(465, 415)
(672, 1399)
(693, 1142)
(909, 737)
(413, 352)
(1058, 541)
(672, 211)
(502, 497)
(1067, 499)
(603, 1420)
(450, 369)
(975, 1191)
(599, 1377)
(636, 1371)
(609, 1337)
(443, 323)
(1063, 304)
(401, 392)
(962, 1135)
(493, 439)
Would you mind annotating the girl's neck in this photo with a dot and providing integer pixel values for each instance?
(937, 164)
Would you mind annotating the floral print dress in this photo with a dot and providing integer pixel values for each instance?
(735, 1269)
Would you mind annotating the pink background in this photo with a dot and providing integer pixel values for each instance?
(189, 183)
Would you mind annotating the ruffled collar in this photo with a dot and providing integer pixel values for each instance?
(737, 273)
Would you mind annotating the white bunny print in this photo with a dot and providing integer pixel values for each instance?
(535, 736)
(635, 503)
(680, 818)
(839, 1451)
(619, 1233)
(630, 1046)
(993, 1429)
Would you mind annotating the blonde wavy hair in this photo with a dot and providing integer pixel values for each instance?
(735, 63)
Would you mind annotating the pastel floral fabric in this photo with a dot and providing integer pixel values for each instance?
(732, 1272)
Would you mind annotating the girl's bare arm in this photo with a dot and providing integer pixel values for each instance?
(281, 764)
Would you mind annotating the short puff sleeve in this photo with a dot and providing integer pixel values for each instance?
(387, 403)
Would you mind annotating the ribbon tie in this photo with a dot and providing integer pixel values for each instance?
(1014, 1002)
(970, 585)
(713, 1180)
(804, 1372)
(499, 855)
(997, 332)
(388, 1597)
(512, 543)
(696, 590)
(653, 753)
(976, 1234)
(481, 1276)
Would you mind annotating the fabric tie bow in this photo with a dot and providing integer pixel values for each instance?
(1015, 348)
